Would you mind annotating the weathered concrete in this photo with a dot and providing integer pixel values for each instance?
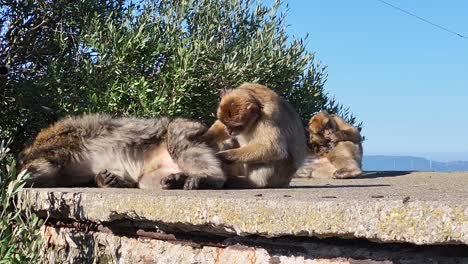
(419, 208)
(67, 245)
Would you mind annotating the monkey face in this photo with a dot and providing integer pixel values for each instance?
(238, 111)
(317, 140)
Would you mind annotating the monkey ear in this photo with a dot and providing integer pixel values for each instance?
(325, 121)
(253, 108)
(223, 91)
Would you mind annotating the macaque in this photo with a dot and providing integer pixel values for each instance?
(336, 147)
(156, 153)
(326, 130)
(271, 138)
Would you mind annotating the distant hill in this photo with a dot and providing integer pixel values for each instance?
(403, 163)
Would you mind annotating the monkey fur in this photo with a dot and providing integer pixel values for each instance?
(219, 140)
(326, 130)
(336, 148)
(156, 153)
(272, 142)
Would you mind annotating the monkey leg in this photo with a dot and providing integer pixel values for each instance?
(273, 175)
(346, 157)
(106, 179)
(42, 173)
(182, 128)
(234, 169)
(317, 166)
(195, 159)
(202, 168)
(174, 181)
(346, 173)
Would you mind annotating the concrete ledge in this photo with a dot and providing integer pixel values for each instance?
(70, 245)
(418, 208)
(66, 247)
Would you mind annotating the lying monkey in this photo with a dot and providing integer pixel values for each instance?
(123, 152)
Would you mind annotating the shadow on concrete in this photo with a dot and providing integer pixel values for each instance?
(330, 186)
(358, 250)
(381, 174)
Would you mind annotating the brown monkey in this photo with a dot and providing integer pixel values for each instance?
(123, 152)
(336, 147)
(270, 134)
(330, 129)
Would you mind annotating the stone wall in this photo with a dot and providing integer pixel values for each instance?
(379, 218)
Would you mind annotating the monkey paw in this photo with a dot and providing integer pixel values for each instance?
(107, 179)
(224, 156)
(345, 173)
(174, 181)
(330, 136)
(194, 183)
(328, 147)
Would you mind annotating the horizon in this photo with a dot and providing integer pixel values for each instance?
(440, 157)
(403, 78)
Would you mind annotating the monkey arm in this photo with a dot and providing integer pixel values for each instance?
(348, 135)
(215, 134)
(345, 131)
(317, 139)
(253, 153)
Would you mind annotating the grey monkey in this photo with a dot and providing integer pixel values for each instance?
(96, 149)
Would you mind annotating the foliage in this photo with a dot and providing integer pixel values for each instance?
(146, 59)
(19, 229)
(153, 57)
(31, 39)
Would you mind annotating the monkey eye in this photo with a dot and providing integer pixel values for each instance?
(237, 126)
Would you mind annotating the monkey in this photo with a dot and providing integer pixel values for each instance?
(329, 129)
(97, 150)
(336, 148)
(272, 142)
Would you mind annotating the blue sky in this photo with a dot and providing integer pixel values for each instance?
(406, 80)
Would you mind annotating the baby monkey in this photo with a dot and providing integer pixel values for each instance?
(99, 150)
(336, 147)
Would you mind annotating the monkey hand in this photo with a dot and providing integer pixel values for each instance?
(329, 146)
(322, 150)
(315, 148)
(327, 133)
(174, 181)
(330, 136)
(317, 139)
(225, 156)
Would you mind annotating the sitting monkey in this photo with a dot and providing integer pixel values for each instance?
(269, 133)
(326, 130)
(336, 148)
(123, 152)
